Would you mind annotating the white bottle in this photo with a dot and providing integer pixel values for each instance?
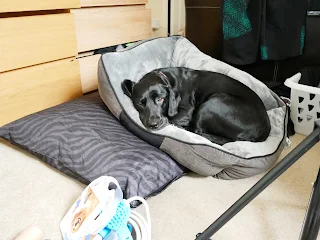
(30, 233)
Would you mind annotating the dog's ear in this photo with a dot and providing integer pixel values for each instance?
(127, 87)
(174, 100)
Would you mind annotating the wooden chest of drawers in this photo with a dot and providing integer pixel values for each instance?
(107, 26)
(33, 5)
(40, 41)
(30, 40)
(28, 90)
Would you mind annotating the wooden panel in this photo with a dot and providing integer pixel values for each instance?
(107, 26)
(31, 5)
(89, 72)
(90, 3)
(207, 37)
(177, 20)
(32, 89)
(31, 40)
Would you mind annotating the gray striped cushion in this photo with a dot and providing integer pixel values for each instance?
(82, 139)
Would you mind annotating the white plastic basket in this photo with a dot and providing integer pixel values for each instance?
(305, 105)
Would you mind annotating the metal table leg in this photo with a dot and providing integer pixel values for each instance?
(311, 224)
(264, 182)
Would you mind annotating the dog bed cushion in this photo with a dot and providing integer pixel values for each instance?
(82, 139)
(233, 160)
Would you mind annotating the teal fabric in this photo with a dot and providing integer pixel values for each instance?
(262, 29)
(264, 52)
(303, 34)
(235, 19)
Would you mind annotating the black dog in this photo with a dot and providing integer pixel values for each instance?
(210, 104)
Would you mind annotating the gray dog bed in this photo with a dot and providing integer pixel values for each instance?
(230, 161)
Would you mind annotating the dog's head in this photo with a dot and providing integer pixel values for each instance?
(154, 99)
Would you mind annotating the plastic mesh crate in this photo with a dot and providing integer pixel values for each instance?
(305, 105)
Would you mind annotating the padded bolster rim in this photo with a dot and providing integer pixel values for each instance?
(153, 139)
(280, 145)
(177, 37)
(109, 95)
(146, 135)
(122, 116)
(229, 168)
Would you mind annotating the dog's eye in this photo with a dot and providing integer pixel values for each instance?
(143, 102)
(160, 99)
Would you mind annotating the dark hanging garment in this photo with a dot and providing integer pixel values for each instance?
(314, 5)
(263, 29)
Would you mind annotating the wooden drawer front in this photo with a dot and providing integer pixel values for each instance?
(89, 72)
(91, 3)
(28, 90)
(107, 26)
(32, 5)
(26, 41)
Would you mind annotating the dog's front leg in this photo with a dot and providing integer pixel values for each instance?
(182, 118)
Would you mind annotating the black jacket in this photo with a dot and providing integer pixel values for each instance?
(263, 29)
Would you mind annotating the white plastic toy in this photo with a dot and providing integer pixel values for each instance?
(102, 213)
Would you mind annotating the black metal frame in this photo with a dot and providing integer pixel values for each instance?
(311, 223)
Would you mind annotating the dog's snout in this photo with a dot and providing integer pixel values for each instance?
(154, 125)
(154, 122)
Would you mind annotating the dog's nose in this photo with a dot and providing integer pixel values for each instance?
(154, 122)
(153, 125)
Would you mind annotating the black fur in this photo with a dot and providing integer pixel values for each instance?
(210, 104)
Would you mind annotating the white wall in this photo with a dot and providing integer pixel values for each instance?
(178, 15)
(159, 11)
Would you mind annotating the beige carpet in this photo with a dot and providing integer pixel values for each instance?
(32, 192)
